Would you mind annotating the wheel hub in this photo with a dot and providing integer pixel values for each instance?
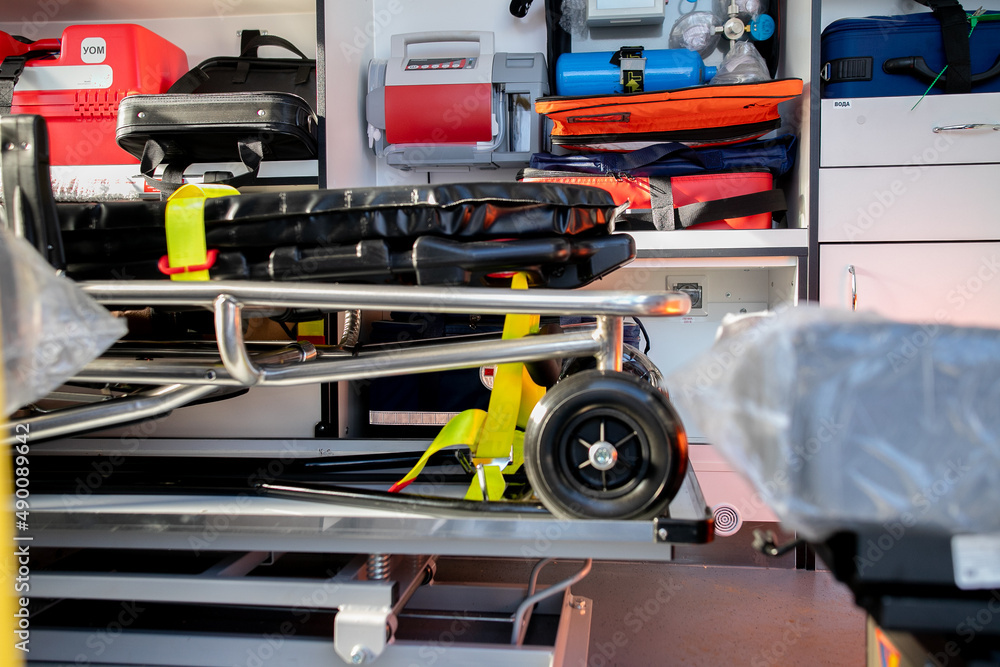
(603, 455)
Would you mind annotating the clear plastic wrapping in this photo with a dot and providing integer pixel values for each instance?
(50, 329)
(695, 31)
(842, 420)
(574, 17)
(743, 64)
(75, 184)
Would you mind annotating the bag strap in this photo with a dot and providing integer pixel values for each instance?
(10, 71)
(251, 40)
(955, 33)
(616, 163)
(188, 83)
(739, 206)
(557, 40)
(251, 153)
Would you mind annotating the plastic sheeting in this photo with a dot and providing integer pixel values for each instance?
(743, 64)
(695, 31)
(842, 420)
(50, 329)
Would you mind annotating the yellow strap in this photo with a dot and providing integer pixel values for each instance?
(495, 485)
(494, 433)
(531, 393)
(185, 223)
(462, 429)
(516, 454)
(505, 400)
(314, 328)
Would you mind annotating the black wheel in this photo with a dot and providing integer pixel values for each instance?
(605, 445)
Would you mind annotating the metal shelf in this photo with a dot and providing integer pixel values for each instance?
(722, 242)
(94, 11)
(246, 522)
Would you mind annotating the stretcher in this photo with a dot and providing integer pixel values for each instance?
(599, 443)
(875, 441)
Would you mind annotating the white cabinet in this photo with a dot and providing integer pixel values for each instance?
(954, 202)
(907, 197)
(939, 129)
(945, 283)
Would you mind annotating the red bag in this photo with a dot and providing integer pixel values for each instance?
(77, 82)
(735, 200)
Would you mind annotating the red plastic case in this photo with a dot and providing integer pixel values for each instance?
(78, 88)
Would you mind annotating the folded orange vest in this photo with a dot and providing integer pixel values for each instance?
(700, 116)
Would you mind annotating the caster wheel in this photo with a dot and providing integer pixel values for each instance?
(605, 445)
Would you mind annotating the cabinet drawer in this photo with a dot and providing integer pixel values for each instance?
(952, 283)
(914, 203)
(883, 131)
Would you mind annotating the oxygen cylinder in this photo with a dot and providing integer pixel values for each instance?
(594, 74)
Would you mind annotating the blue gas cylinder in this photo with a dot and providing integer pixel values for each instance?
(594, 74)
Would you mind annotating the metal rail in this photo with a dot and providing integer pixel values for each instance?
(189, 381)
(335, 297)
(108, 413)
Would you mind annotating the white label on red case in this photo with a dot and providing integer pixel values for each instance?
(65, 77)
(93, 50)
(976, 561)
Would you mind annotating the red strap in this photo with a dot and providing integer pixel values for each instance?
(166, 269)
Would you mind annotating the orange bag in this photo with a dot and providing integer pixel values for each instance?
(699, 116)
(732, 200)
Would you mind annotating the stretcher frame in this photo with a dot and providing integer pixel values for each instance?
(602, 410)
(183, 382)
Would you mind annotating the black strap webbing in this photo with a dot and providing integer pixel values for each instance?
(955, 34)
(614, 163)
(731, 207)
(251, 152)
(10, 72)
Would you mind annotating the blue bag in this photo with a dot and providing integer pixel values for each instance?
(890, 56)
(675, 159)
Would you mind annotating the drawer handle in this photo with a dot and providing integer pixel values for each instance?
(967, 126)
(854, 287)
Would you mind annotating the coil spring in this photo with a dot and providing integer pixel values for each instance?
(378, 566)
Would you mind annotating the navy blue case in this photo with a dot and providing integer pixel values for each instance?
(855, 53)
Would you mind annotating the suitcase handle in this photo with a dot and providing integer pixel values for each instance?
(916, 67)
(401, 43)
(250, 47)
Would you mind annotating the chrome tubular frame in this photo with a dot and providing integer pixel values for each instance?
(188, 380)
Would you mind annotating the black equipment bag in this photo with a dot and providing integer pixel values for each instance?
(250, 73)
(180, 130)
(243, 109)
